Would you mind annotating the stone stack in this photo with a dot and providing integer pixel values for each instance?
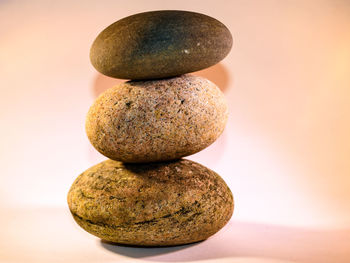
(145, 194)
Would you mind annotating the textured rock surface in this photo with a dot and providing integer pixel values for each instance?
(160, 44)
(147, 121)
(156, 204)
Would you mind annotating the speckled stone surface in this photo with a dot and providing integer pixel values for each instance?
(160, 44)
(156, 204)
(158, 120)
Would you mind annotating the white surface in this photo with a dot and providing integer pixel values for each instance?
(285, 151)
(51, 235)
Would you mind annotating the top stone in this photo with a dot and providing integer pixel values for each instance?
(160, 44)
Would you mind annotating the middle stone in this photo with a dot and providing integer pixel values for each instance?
(157, 120)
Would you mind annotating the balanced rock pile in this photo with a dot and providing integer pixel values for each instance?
(145, 194)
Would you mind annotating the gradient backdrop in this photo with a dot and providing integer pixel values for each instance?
(285, 152)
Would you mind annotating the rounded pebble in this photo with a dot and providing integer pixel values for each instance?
(155, 204)
(158, 120)
(160, 44)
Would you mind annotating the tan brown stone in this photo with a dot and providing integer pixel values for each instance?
(155, 204)
(157, 120)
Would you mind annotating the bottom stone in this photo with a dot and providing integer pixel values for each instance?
(153, 204)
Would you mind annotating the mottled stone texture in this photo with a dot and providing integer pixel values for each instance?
(155, 204)
(160, 44)
(158, 120)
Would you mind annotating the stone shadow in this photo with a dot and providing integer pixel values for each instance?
(240, 240)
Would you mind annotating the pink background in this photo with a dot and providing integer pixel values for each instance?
(285, 152)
